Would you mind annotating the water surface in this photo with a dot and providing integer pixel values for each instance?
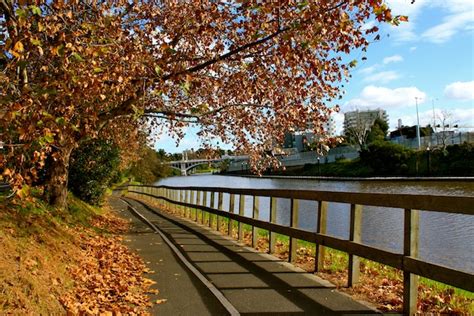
(446, 239)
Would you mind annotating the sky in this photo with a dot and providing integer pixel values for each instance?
(429, 61)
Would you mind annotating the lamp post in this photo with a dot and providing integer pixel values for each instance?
(418, 124)
(319, 167)
(429, 160)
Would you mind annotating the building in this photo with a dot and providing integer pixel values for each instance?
(330, 127)
(362, 120)
(300, 140)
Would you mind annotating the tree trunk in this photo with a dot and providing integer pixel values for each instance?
(58, 173)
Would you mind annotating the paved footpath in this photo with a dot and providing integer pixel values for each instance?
(254, 283)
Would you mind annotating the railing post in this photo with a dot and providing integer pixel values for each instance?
(255, 213)
(320, 229)
(213, 194)
(231, 210)
(160, 201)
(410, 248)
(293, 223)
(273, 215)
(198, 202)
(182, 199)
(186, 200)
(241, 213)
(220, 201)
(170, 198)
(204, 203)
(175, 194)
(354, 235)
(191, 201)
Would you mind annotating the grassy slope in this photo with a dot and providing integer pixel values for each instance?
(41, 250)
(35, 250)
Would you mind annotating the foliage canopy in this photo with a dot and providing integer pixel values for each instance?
(245, 71)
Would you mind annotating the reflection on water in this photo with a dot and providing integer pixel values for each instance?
(444, 238)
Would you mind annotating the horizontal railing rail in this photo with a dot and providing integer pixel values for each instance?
(190, 198)
(437, 203)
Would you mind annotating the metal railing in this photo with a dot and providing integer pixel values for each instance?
(408, 262)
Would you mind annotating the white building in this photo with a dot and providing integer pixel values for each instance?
(363, 120)
(330, 127)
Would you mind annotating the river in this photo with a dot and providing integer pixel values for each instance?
(446, 239)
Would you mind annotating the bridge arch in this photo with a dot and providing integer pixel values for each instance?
(185, 167)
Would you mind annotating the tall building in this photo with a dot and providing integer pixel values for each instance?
(299, 140)
(362, 120)
(330, 126)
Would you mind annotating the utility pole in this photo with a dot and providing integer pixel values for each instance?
(418, 124)
(434, 116)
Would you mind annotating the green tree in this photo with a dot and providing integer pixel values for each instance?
(149, 168)
(94, 165)
(386, 158)
(378, 131)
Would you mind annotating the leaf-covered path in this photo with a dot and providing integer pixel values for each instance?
(179, 291)
(254, 283)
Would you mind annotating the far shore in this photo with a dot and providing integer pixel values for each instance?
(326, 178)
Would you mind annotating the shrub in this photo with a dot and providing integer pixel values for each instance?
(386, 158)
(93, 166)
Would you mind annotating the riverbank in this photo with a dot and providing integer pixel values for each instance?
(328, 178)
(383, 160)
(56, 262)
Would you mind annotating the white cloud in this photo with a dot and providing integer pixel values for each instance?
(369, 70)
(382, 77)
(368, 25)
(405, 32)
(451, 25)
(376, 72)
(392, 59)
(409, 118)
(455, 5)
(386, 98)
(460, 90)
(458, 17)
(412, 49)
(339, 122)
(406, 7)
(464, 118)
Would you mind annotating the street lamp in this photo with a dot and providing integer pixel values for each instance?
(319, 167)
(418, 124)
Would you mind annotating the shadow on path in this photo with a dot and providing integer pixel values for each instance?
(255, 283)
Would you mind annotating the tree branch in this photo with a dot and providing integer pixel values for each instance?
(243, 47)
(124, 108)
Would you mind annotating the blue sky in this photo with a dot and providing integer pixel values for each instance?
(430, 58)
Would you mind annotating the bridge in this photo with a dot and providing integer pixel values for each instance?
(185, 165)
(240, 163)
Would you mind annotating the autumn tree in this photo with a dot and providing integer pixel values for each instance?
(150, 166)
(245, 71)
